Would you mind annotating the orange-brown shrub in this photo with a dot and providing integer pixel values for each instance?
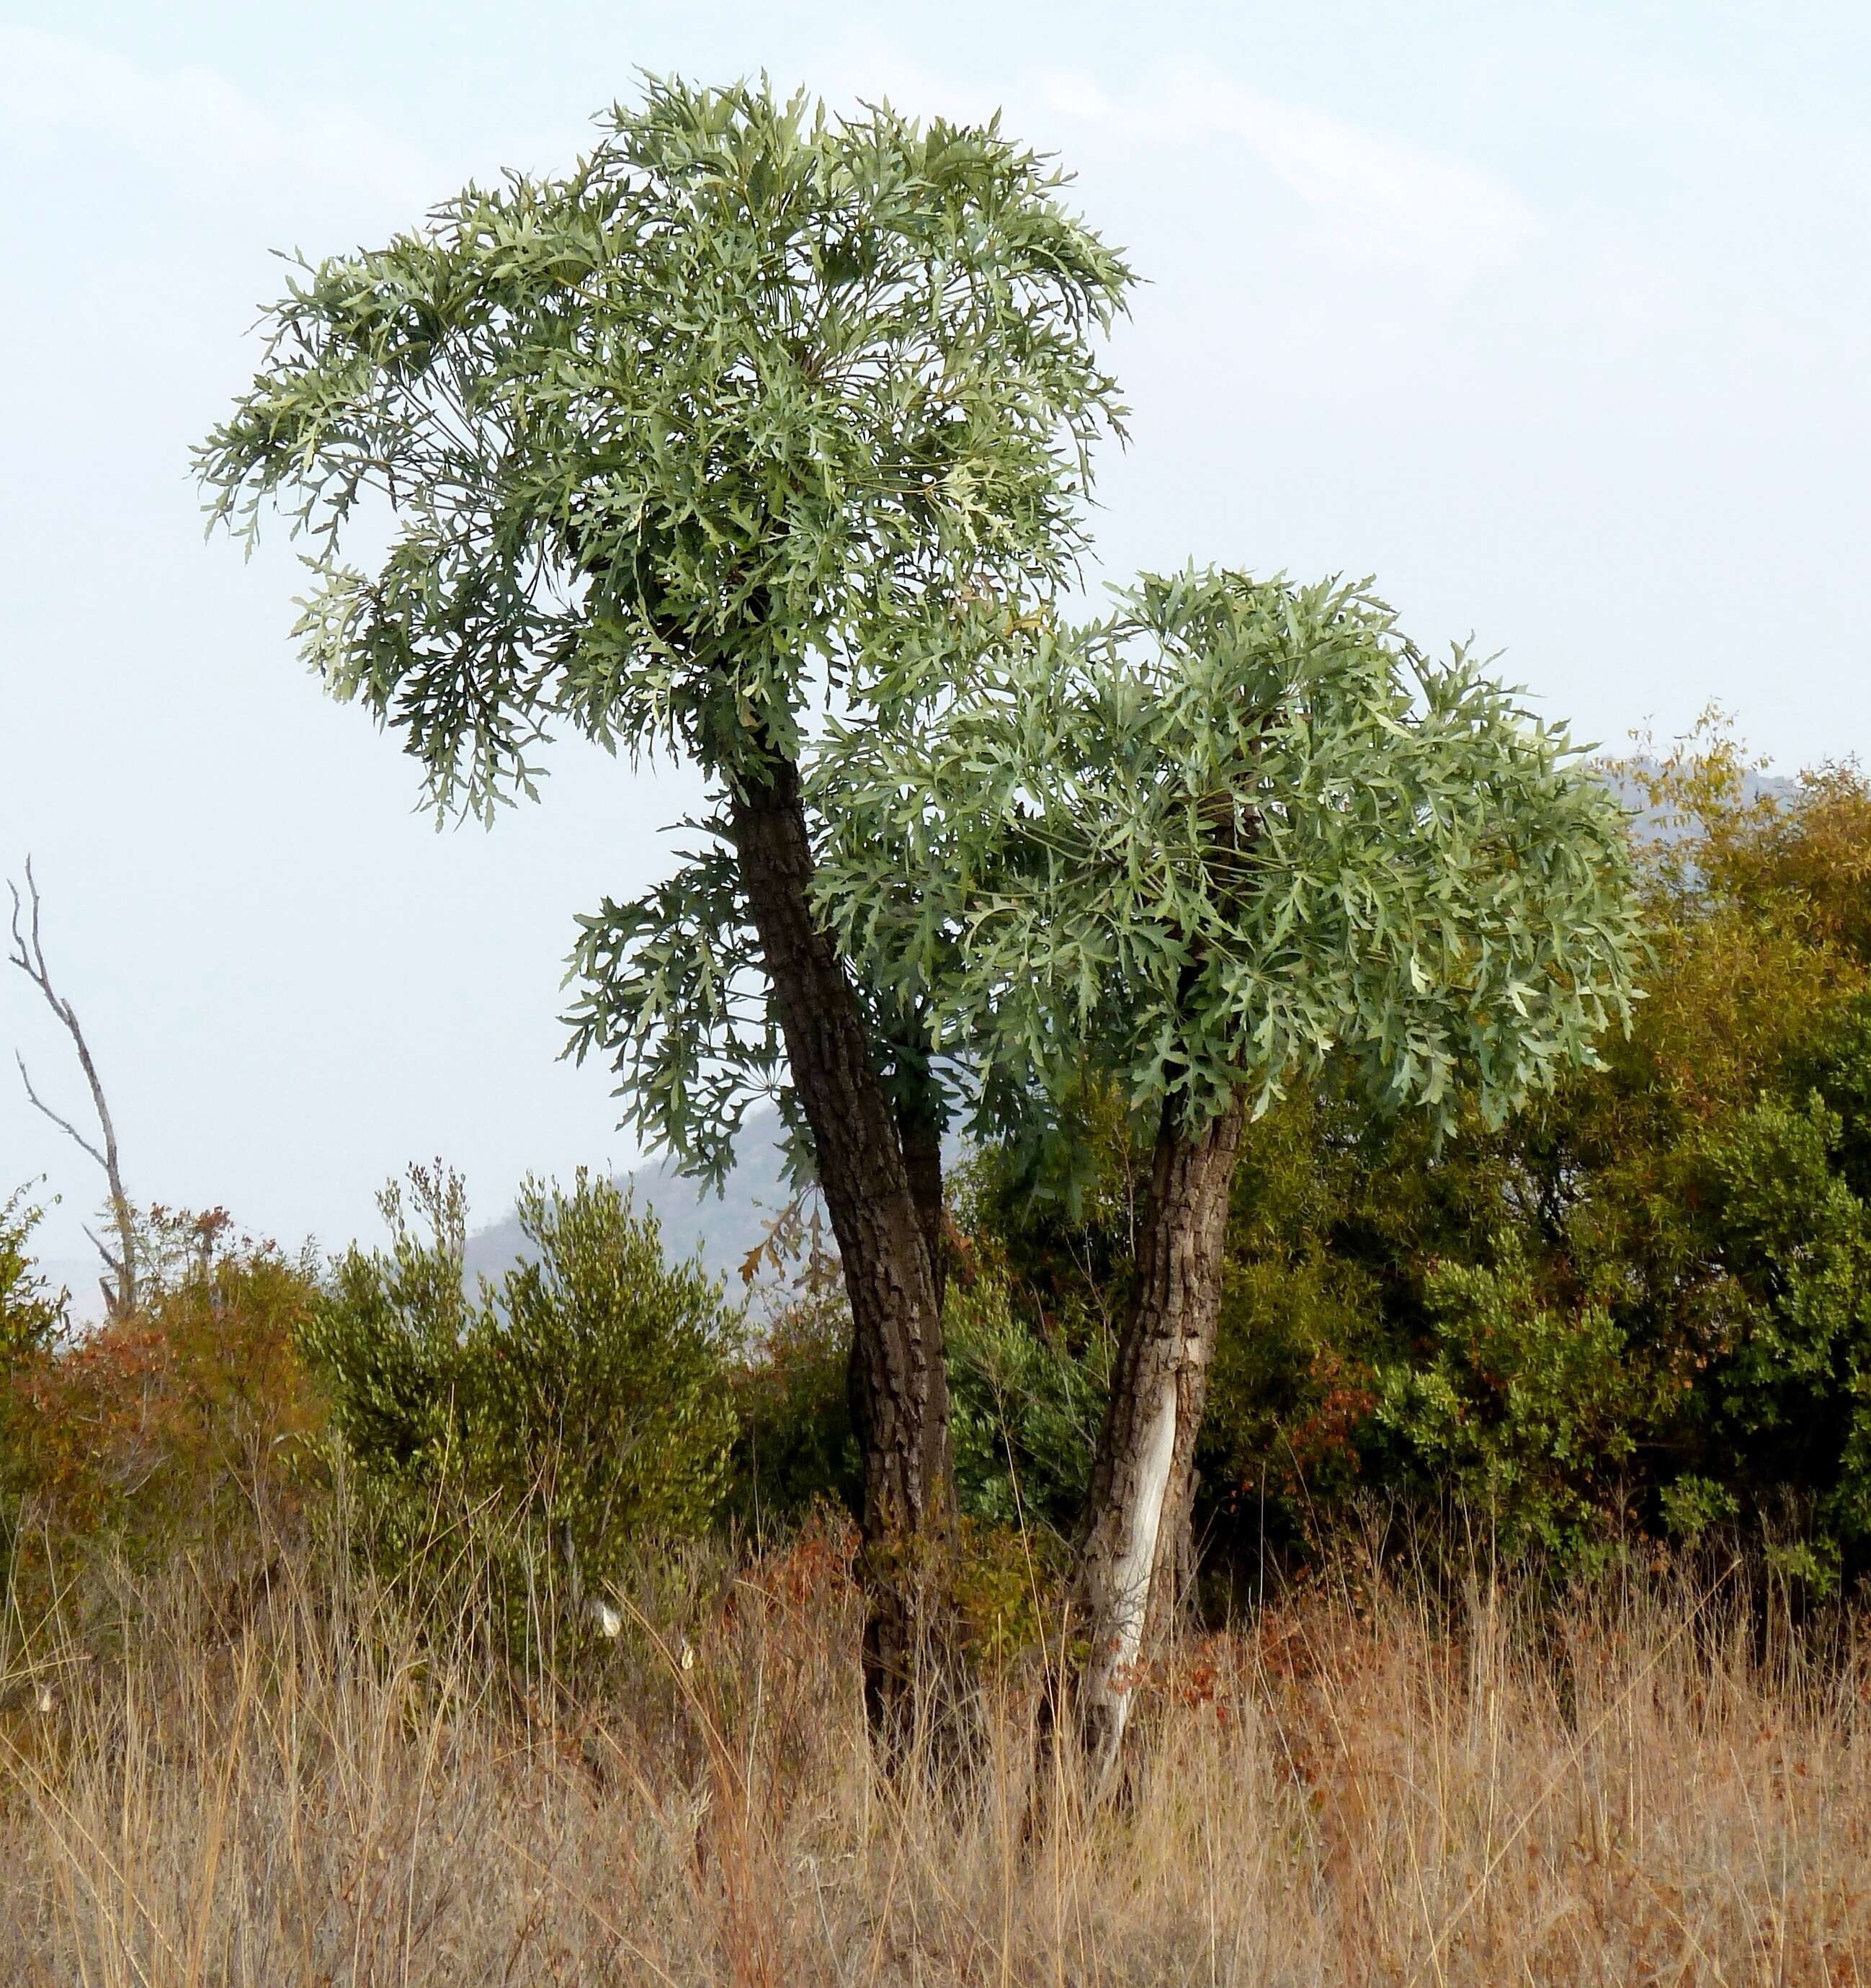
(157, 1430)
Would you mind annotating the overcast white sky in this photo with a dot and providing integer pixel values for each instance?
(1554, 318)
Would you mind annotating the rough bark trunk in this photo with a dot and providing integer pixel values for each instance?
(922, 1158)
(1137, 1510)
(899, 1384)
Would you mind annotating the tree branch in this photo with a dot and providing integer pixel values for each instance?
(28, 954)
(64, 1124)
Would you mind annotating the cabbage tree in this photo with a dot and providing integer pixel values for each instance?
(754, 405)
(1236, 829)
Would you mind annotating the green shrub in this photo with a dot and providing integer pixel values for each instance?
(31, 1314)
(794, 1446)
(1027, 1404)
(1525, 1416)
(1644, 1301)
(1029, 1353)
(544, 1425)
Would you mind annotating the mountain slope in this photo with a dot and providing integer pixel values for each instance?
(721, 1229)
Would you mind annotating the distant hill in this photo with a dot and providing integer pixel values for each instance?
(721, 1229)
(1654, 825)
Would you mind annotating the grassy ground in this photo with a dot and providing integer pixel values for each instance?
(281, 1782)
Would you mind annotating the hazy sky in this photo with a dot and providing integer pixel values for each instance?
(1554, 318)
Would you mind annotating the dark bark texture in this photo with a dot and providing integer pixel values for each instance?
(921, 1134)
(899, 1383)
(1131, 1573)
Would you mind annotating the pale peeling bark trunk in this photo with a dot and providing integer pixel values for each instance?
(1142, 1476)
(899, 1383)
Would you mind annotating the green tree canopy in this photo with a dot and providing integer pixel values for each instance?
(1235, 828)
(729, 403)
(756, 400)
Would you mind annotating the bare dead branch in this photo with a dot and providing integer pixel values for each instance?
(28, 955)
(101, 1247)
(64, 1124)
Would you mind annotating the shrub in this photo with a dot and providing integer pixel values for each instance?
(31, 1314)
(1525, 1414)
(1027, 1404)
(552, 1419)
(794, 1446)
(188, 1423)
(1645, 1299)
(1045, 1255)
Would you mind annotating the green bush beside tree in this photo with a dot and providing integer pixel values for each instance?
(543, 1427)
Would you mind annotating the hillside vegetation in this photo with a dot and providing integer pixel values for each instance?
(363, 1625)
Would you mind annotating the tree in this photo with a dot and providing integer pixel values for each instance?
(1237, 829)
(28, 954)
(755, 401)
(1643, 1300)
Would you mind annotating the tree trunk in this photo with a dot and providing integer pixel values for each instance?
(899, 1384)
(922, 1159)
(1137, 1511)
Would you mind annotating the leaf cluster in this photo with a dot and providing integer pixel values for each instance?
(31, 1313)
(673, 995)
(745, 393)
(1236, 828)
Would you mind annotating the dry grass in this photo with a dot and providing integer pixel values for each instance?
(304, 1791)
